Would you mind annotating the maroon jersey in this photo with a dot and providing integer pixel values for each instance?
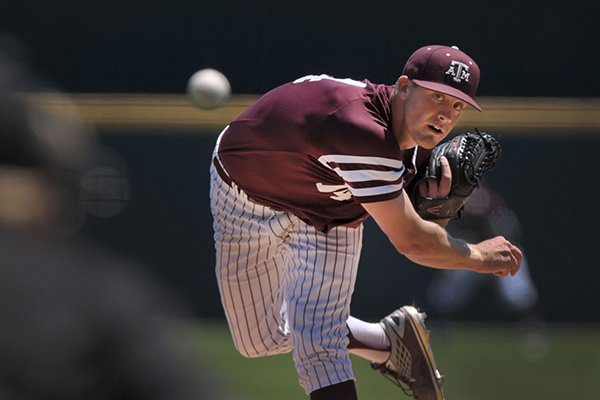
(318, 147)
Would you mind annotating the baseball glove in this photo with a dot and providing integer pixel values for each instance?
(470, 155)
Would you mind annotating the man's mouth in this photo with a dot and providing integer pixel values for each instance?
(435, 128)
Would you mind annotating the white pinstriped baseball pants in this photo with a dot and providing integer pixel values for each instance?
(284, 285)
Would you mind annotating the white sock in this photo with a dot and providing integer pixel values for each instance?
(373, 337)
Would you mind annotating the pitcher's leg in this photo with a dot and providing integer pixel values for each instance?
(322, 276)
(250, 264)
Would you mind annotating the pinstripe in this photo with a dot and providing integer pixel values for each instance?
(313, 313)
(320, 356)
(245, 256)
(224, 214)
(273, 283)
(284, 285)
(243, 317)
(348, 284)
(230, 299)
(220, 195)
(327, 333)
(257, 261)
(244, 268)
(298, 287)
(263, 330)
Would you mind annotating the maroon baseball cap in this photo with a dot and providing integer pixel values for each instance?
(446, 70)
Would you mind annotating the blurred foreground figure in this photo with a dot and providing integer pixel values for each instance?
(75, 322)
(485, 215)
(78, 324)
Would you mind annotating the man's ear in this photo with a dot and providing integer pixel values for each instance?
(402, 84)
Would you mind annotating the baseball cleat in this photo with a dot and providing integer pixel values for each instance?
(410, 365)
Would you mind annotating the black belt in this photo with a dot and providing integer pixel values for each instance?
(221, 171)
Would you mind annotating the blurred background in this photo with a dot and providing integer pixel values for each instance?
(125, 66)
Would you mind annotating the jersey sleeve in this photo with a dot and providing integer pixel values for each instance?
(364, 153)
(368, 178)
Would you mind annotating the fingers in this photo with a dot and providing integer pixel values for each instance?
(429, 188)
(432, 188)
(508, 256)
(423, 188)
(445, 179)
(437, 188)
(515, 255)
(518, 256)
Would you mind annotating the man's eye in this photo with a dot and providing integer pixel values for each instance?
(459, 107)
(438, 96)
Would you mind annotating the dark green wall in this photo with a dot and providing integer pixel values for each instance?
(152, 46)
(523, 48)
(548, 182)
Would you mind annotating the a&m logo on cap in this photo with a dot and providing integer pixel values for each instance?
(459, 71)
(446, 70)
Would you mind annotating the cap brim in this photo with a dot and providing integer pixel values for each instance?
(449, 90)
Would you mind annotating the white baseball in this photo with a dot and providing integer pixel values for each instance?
(208, 89)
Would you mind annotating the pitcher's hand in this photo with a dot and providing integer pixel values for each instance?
(498, 256)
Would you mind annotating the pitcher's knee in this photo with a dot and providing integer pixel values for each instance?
(255, 351)
(246, 352)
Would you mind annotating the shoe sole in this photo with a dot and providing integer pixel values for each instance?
(423, 338)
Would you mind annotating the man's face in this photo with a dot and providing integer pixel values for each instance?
(429, 116)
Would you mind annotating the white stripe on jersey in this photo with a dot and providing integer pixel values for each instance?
(374, 191)
(365, 175)
(376, 161)
(316, 78)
